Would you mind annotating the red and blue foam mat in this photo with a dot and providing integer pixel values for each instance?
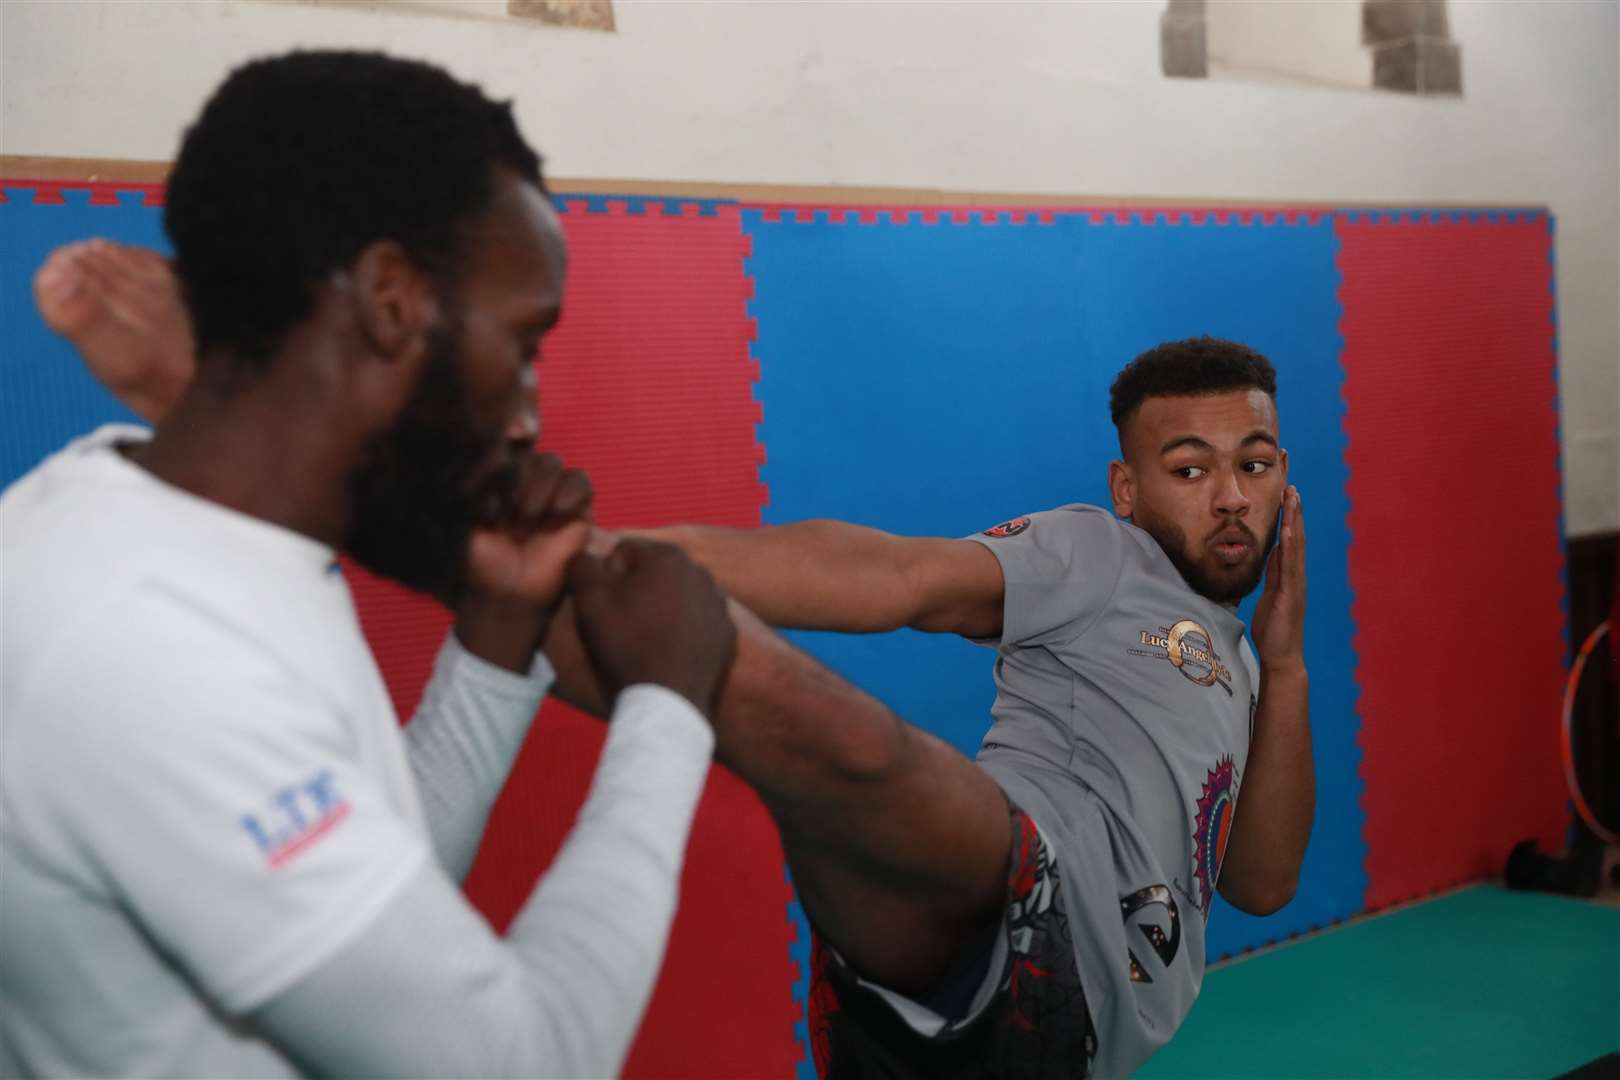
(939, 369)
(1457, 559)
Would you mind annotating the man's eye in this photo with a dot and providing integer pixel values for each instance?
(1190, 472)
(1257, 467)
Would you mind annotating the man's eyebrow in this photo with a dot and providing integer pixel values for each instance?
(1196, 443)
(1185, 440)
(1261, 437)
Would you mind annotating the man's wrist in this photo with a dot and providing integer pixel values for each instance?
(503, 630)
(1284, 669)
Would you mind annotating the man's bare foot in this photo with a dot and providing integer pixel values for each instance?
(121, 308)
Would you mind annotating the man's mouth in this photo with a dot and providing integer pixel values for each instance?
(1232, 546)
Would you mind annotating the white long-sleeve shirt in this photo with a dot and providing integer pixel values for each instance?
(219, 855)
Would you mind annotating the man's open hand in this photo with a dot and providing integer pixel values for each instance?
(1279, 618)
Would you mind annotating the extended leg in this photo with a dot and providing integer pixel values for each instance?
(898, 844)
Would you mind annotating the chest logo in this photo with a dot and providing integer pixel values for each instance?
(1190, 650)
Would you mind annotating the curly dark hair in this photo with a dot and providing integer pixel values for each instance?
(298, 162)
(1189, 368)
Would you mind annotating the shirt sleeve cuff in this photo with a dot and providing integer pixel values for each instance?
(682, 722)
(456, 660)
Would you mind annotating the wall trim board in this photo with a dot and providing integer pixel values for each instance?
(114, 170)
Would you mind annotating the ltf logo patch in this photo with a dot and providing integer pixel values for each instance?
(296, 817)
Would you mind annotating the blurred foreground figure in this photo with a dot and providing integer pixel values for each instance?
(222, 856)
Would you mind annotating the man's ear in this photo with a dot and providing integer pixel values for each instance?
(395, 302)
(1122, 486)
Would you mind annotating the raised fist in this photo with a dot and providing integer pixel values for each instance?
(522, 548)
(648, 614)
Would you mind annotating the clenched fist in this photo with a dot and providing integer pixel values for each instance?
(648, 614)
(522, 549)
(517, 560)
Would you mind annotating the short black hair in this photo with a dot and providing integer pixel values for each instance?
(298, 162)
(1189, 368)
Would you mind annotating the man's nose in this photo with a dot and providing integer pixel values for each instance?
(524, 426)
(1229, 495)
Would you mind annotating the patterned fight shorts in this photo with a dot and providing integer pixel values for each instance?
(1035, 1025)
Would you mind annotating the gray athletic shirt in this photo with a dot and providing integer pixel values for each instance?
(1124, 706)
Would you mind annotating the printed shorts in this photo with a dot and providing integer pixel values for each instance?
(1036, 1024)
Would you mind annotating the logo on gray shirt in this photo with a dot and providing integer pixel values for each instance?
(1007, 528)
(1188, 647)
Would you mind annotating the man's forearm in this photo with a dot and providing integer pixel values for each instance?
(473, 717)
(564, 993)
(1277, 803)
(811, 575)
(783, 721)
(466, 733)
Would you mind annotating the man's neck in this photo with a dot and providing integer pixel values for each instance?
(259, 450)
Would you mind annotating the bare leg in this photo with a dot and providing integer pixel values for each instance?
(121, 308)
(898, 844)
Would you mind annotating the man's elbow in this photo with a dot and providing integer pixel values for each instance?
(1260, 897)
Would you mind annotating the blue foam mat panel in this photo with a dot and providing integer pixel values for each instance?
(46, 395)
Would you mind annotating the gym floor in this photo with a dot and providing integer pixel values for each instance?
(1478, 982)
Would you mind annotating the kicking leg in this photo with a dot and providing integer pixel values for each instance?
(898, 844)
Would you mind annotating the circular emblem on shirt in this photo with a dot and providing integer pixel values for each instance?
(1213, 827)
(1190, 650)
(1008, 528)
(1193, 654)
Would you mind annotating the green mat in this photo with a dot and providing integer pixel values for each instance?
(1480, 983)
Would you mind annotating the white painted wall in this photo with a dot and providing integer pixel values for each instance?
(1318, 41)
(1061, 98)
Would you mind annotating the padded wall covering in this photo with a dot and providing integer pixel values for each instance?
(937, 370)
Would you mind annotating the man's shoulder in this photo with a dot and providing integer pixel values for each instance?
(84, 536)
(92, 538)
(1087, 514)
(139, 642)
(79, 513)
(116, 596)
(1077, 518)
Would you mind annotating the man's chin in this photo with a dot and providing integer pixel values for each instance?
(440, 576)
(1227, 585)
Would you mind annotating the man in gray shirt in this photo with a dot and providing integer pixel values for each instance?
(1130, 711)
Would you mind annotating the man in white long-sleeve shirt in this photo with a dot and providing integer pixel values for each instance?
(219, 855)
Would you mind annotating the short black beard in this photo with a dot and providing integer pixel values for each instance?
(1173, 542)
(412, 507)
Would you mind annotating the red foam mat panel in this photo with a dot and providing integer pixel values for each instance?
(1456, 559)
(648, 385)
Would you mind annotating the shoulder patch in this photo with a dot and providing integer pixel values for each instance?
(1008, 528)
